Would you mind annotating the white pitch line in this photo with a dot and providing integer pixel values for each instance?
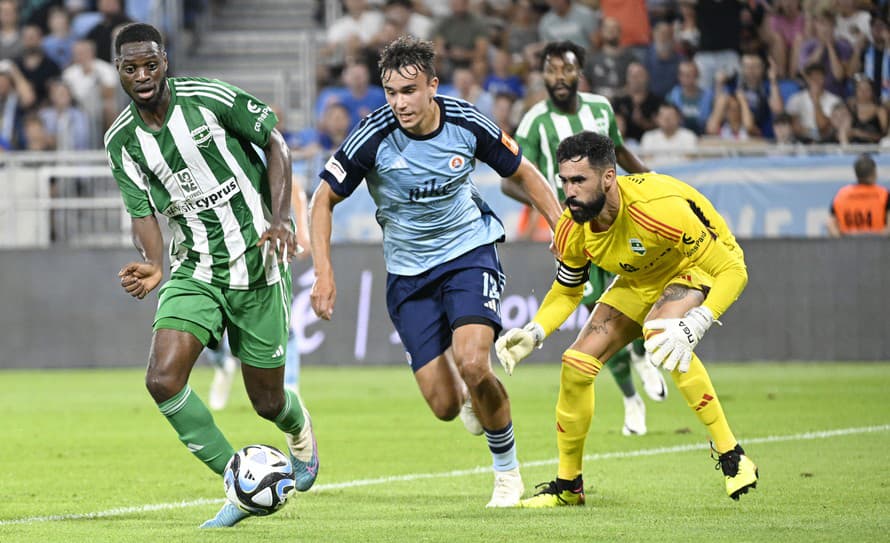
(120, 511)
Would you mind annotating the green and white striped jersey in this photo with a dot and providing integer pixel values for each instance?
(204, 170)
(543, 127)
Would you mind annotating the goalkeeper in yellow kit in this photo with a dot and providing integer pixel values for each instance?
(679, 268)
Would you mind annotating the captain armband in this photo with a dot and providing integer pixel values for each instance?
(568, 276)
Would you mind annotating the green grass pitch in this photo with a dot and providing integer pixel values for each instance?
(87, 457)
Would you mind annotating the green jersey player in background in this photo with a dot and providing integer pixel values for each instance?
(564, 113)
(206, 155)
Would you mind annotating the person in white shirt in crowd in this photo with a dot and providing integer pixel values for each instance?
(93, 83)
(669, 143)
(812, 124)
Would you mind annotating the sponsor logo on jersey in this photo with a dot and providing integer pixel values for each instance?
(186, 182)
(201, 135)
(637, 246)
(456, 163)
(510, 143)
(208, 200)
(696, 243)
(630, 268)
(333, 167)
(263, 112)
(427, 189)
(688, 240)
(253, 108)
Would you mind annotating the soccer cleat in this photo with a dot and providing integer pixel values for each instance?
(304, 454)
(221, 386)
(634, 416)
(508, 489)
(738, 470)
(653, 380)
(227, 517)
(469, 418)
(550, 495)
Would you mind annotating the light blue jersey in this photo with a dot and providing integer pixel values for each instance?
(427, 205)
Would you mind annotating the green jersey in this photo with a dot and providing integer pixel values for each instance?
(544, 126)
(204, 169)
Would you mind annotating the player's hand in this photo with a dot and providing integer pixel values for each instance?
(323, 296)
(140, 278)
(672, 347)
(281, 239)
(518, 343)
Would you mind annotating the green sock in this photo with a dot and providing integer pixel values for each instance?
(619, 365)
(194, 424)
(290, 420)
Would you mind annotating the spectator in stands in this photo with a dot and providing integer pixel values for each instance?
(832, 53)
(720, 25)
(113, 16)
(761, 91)
(784, 133)
(59, 43)
(868, 118)
(753, 29)
(862, 208)
(841, 125)
(636, 105)
(34, 135)
(633, 18)
(10, 35)
(401, 14)
(786, 26)
(83, 17)
(521, 30)
(348, 35)
(606, 69)
(461, 39)
(503, 112)
(465, 86)
(731, 118)
(357, 95)
(67, 126)
(872, 59)
(851, 23)
(667, 143)
(570, 21)
(332, 129)
(686, 29)
(501, 80)
(93, 84)
(810, 109)
(16, 96)
(693, 101)
(662, 59)
(34, 64)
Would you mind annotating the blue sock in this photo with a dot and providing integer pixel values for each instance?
(292, 363)
(502, 447)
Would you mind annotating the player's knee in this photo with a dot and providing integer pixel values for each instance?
(444, 408)
(474, 367)
(162, 386)
(268, 407)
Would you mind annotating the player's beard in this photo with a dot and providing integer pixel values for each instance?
(586, 211)
(567, 103)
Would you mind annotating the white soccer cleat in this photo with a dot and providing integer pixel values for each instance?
(221, 386)
(469, 418)
(634, 416)
(508, 489)
(653, 379)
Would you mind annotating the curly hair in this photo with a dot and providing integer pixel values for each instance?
(409, 53)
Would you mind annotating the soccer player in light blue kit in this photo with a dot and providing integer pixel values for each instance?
(444, 279)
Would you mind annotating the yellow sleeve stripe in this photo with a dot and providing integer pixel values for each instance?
(563, 230)
(653, 225)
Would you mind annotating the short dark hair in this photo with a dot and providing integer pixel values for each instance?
(407, 51)
(598, 149)
(560, 48)
(782, 118)
(864, 166)
(136, 32)
(814, 67)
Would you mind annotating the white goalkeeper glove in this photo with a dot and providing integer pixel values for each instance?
(517, 343)
(672, 348)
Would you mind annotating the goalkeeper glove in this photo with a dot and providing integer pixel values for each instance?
(518, 343)
(672, 347)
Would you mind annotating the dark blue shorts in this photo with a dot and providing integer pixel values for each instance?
(426, 308)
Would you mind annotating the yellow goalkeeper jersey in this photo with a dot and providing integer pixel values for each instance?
(664, 228)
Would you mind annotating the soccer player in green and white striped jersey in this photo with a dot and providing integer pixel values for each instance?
(206, 155)
(564, 113)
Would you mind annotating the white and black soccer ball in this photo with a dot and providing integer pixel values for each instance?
(258, 479)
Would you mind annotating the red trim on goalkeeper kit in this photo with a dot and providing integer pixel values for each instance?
(706, 399)
(563, 229)
(653, 225)
(587, 368)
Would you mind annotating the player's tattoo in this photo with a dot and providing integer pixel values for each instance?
(671, 293)
(605, 316)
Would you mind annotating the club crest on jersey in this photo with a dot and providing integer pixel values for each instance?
(201, 135)
(456, 163)
(637, 246)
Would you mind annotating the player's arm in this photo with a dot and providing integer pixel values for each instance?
(140, 278)
(629, 161)
(279, 175)
(321, 212)
(540, 195)
(834, 228)
(300, 207)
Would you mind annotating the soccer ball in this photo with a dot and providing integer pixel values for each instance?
(258, 479)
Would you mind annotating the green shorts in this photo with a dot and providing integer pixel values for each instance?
(257, 320)
(599, 281)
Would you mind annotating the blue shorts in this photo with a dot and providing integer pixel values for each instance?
(426, 308)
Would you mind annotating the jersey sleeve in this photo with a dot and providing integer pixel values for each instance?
(357, 155)
(248, 117)
(529, 140)
(614, 133)
(127, 175)
(573, 271)
(493, 146)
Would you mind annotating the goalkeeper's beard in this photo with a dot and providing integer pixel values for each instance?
(584, 212)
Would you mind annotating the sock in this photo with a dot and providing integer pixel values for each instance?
(619, 365)
(290, 420)
(194, 424)
(502, 447)
(695, 385)
(292, 363)
(576, 485)
(574, 410)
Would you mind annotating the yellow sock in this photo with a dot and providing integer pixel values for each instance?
(574, 410)
(695, 385)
